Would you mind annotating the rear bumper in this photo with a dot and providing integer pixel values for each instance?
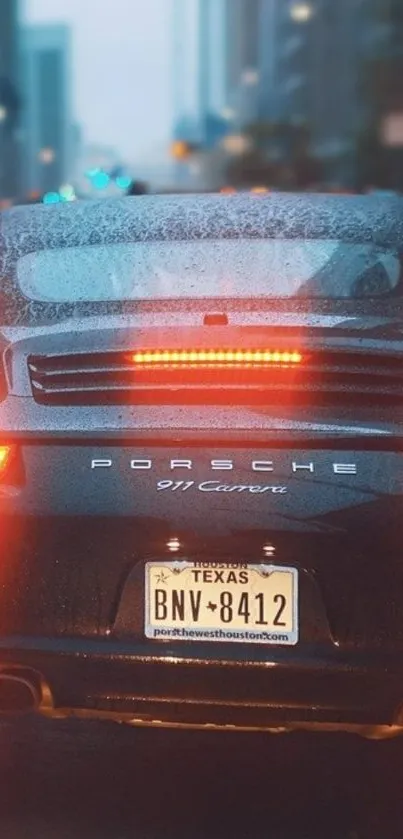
(319, 687)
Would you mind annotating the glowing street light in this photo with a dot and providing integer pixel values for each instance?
(47, 155)
(180, 150)
(3, 113)
(67, 192)
(301, 12)
(250, 77)
(236, 144)
(228, 114)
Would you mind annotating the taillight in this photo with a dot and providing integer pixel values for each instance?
(5, 457)
(216, 357)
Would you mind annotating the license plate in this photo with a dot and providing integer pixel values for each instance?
(190, 601)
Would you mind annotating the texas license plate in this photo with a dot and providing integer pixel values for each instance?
(194, 601)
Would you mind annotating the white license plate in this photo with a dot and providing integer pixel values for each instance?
(190, 601)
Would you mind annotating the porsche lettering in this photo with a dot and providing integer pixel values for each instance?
(186, 465)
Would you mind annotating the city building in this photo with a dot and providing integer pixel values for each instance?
(10, 100)
(245, 47)
(224, 68)
(300, 61)
(48, 132)
(322, 53)
(185, 67)
(317, 69)
(199, 85)
(224, 55)
(381, 157)
(212, 65)
(239, 62)
(268, 52)
(200, 80)
(76, 148)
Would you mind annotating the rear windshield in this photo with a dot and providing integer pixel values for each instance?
(273, 268)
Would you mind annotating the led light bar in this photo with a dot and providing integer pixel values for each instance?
(225, 357)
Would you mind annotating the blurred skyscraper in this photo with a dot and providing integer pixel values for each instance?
(48, 146)
(248, 46)
(317, 70)
(10, 99)
(297, 61)
(200, 70)
(223, 66)
(185, 67)
(320, 71)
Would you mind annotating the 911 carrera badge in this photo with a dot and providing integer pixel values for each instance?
(217, 486)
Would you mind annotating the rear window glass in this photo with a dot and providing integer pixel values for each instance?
(273, 268)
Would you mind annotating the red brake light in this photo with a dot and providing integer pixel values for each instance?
(5, 455)
(217, 357)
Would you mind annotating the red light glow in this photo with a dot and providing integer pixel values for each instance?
(5, 454)
(222, 357)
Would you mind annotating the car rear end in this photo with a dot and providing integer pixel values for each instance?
(201, 517)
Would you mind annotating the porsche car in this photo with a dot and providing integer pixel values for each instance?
(201, 468)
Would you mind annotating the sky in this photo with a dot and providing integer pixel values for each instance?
(122, 69)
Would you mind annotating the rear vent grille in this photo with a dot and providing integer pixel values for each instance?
(318, 377)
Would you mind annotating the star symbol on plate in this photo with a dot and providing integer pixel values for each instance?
(162, 578)
(212, 606)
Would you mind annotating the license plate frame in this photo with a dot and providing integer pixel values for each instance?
(266, 588)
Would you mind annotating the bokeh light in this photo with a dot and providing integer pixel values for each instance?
(51, 198)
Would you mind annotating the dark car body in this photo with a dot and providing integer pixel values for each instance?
(300, 471)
